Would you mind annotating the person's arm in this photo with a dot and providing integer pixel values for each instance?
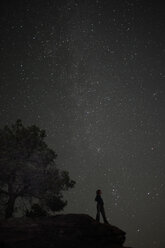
(99, 200)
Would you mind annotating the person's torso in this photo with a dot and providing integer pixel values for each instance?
(99, 200)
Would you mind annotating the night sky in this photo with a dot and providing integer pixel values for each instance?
(91, 73)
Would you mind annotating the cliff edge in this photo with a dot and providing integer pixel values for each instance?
(70, 230)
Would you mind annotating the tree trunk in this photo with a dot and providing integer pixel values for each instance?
(10, 207)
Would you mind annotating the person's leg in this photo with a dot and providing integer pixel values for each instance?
(98, 214)
(103, 215)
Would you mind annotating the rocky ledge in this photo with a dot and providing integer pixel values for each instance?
(70, 230)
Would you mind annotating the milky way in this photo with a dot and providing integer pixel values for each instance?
(91, 73)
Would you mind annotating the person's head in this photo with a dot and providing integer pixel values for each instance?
(98, 192)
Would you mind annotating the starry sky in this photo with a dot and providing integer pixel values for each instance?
(91, 73)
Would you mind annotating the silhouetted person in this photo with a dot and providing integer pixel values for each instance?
(100, 207)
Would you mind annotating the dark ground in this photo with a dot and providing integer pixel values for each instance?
(71, 230)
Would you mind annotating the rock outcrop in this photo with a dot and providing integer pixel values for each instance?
(71, 230)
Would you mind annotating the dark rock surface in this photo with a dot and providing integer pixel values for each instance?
(71, 230)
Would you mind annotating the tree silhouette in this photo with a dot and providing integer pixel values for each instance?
(28, 170)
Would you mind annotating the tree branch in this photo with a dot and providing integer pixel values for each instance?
(3, 192)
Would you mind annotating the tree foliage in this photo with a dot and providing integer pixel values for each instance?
(36, 211)
(28, 170)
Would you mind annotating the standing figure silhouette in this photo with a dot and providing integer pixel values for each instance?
(100, 207)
